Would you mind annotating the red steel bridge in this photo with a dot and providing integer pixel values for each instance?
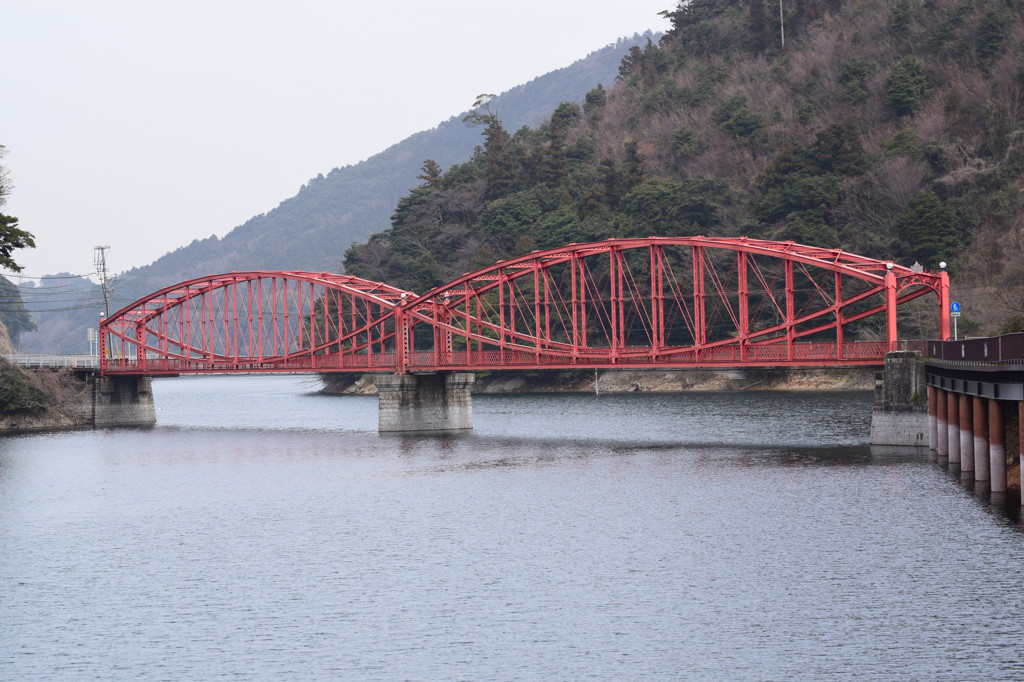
(660, 302)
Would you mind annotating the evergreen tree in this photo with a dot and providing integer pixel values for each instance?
(927, 230)
(906, 85)
(11, 236)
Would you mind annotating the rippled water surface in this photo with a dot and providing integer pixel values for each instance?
(261, 531)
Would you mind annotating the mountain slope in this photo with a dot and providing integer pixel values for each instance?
(890, 128)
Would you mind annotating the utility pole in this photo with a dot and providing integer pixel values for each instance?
(101, 270)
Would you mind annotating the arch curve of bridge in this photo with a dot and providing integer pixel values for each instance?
(630, 303)
(254, 321)
(671, 302)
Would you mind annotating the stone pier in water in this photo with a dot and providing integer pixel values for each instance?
(425, 402)
(900, 413)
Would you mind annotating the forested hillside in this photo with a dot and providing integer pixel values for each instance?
(312, 230)
(890, 128)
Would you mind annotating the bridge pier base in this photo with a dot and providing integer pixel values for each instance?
(425, 402)
(900, 414)
(123, 401)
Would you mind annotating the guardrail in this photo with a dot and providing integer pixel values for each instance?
(1005, 349)
(54, 361)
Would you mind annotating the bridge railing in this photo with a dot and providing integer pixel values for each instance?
(54, 361)
(1006, 349)
(858, 351)
(300, 364)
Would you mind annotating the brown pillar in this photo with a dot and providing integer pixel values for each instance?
(953, 422)
(933, 426)
(942, 428)
(997, 446)
(982, 468)
(966, 433)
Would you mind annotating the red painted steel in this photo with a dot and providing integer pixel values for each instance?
(627, 303)
(255, 322)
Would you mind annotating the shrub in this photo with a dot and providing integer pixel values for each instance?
(18, 390)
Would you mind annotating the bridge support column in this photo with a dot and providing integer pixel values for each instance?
(953, 427)
(933, 421)
(941, 425)
(966, 433)
(982, 468)
(900, 414)
(123, 401)
(425, 402)
(997, 446)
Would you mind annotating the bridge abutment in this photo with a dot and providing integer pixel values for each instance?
(900, 415)
(425, 402)
(123, 401)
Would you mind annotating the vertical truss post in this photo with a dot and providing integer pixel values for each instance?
(583, 302)
(140, 345)
(890, 311)
(501, 316)
(575, 314)
(259, 319)
(536, 309)
(699, 323)
(790, 311)
(613, 277)
(657, 332)
(839, 315)
(744, 300)
(401, 340)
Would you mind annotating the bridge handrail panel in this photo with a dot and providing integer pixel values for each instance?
(84, 361)
(1008, 348)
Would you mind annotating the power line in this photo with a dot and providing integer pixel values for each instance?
(47, 277)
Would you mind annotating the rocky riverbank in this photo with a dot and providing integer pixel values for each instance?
(43, 400)
(627, 381)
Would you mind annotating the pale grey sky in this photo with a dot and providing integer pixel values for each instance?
(144, 125)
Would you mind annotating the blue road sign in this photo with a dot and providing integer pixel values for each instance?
(954, 306)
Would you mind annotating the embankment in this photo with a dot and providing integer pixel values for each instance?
(626, 381)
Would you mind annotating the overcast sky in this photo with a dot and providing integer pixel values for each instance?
(143, 125)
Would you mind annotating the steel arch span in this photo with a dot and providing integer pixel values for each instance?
(257, 321)
(667, 302)
(659, 302)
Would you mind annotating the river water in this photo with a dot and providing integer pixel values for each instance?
(261, 531)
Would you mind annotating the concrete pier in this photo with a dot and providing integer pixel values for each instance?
(425, 402)
(900, 413)
(953, 428)
(942, 427)
(997, 446)
(966, 434)
(933, 421)
(122, 401)
(982, 466)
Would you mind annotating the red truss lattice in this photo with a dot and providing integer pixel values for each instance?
(656, 302)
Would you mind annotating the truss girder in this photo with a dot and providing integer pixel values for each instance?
(664, 301)
(258, 321)
(655, 302)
